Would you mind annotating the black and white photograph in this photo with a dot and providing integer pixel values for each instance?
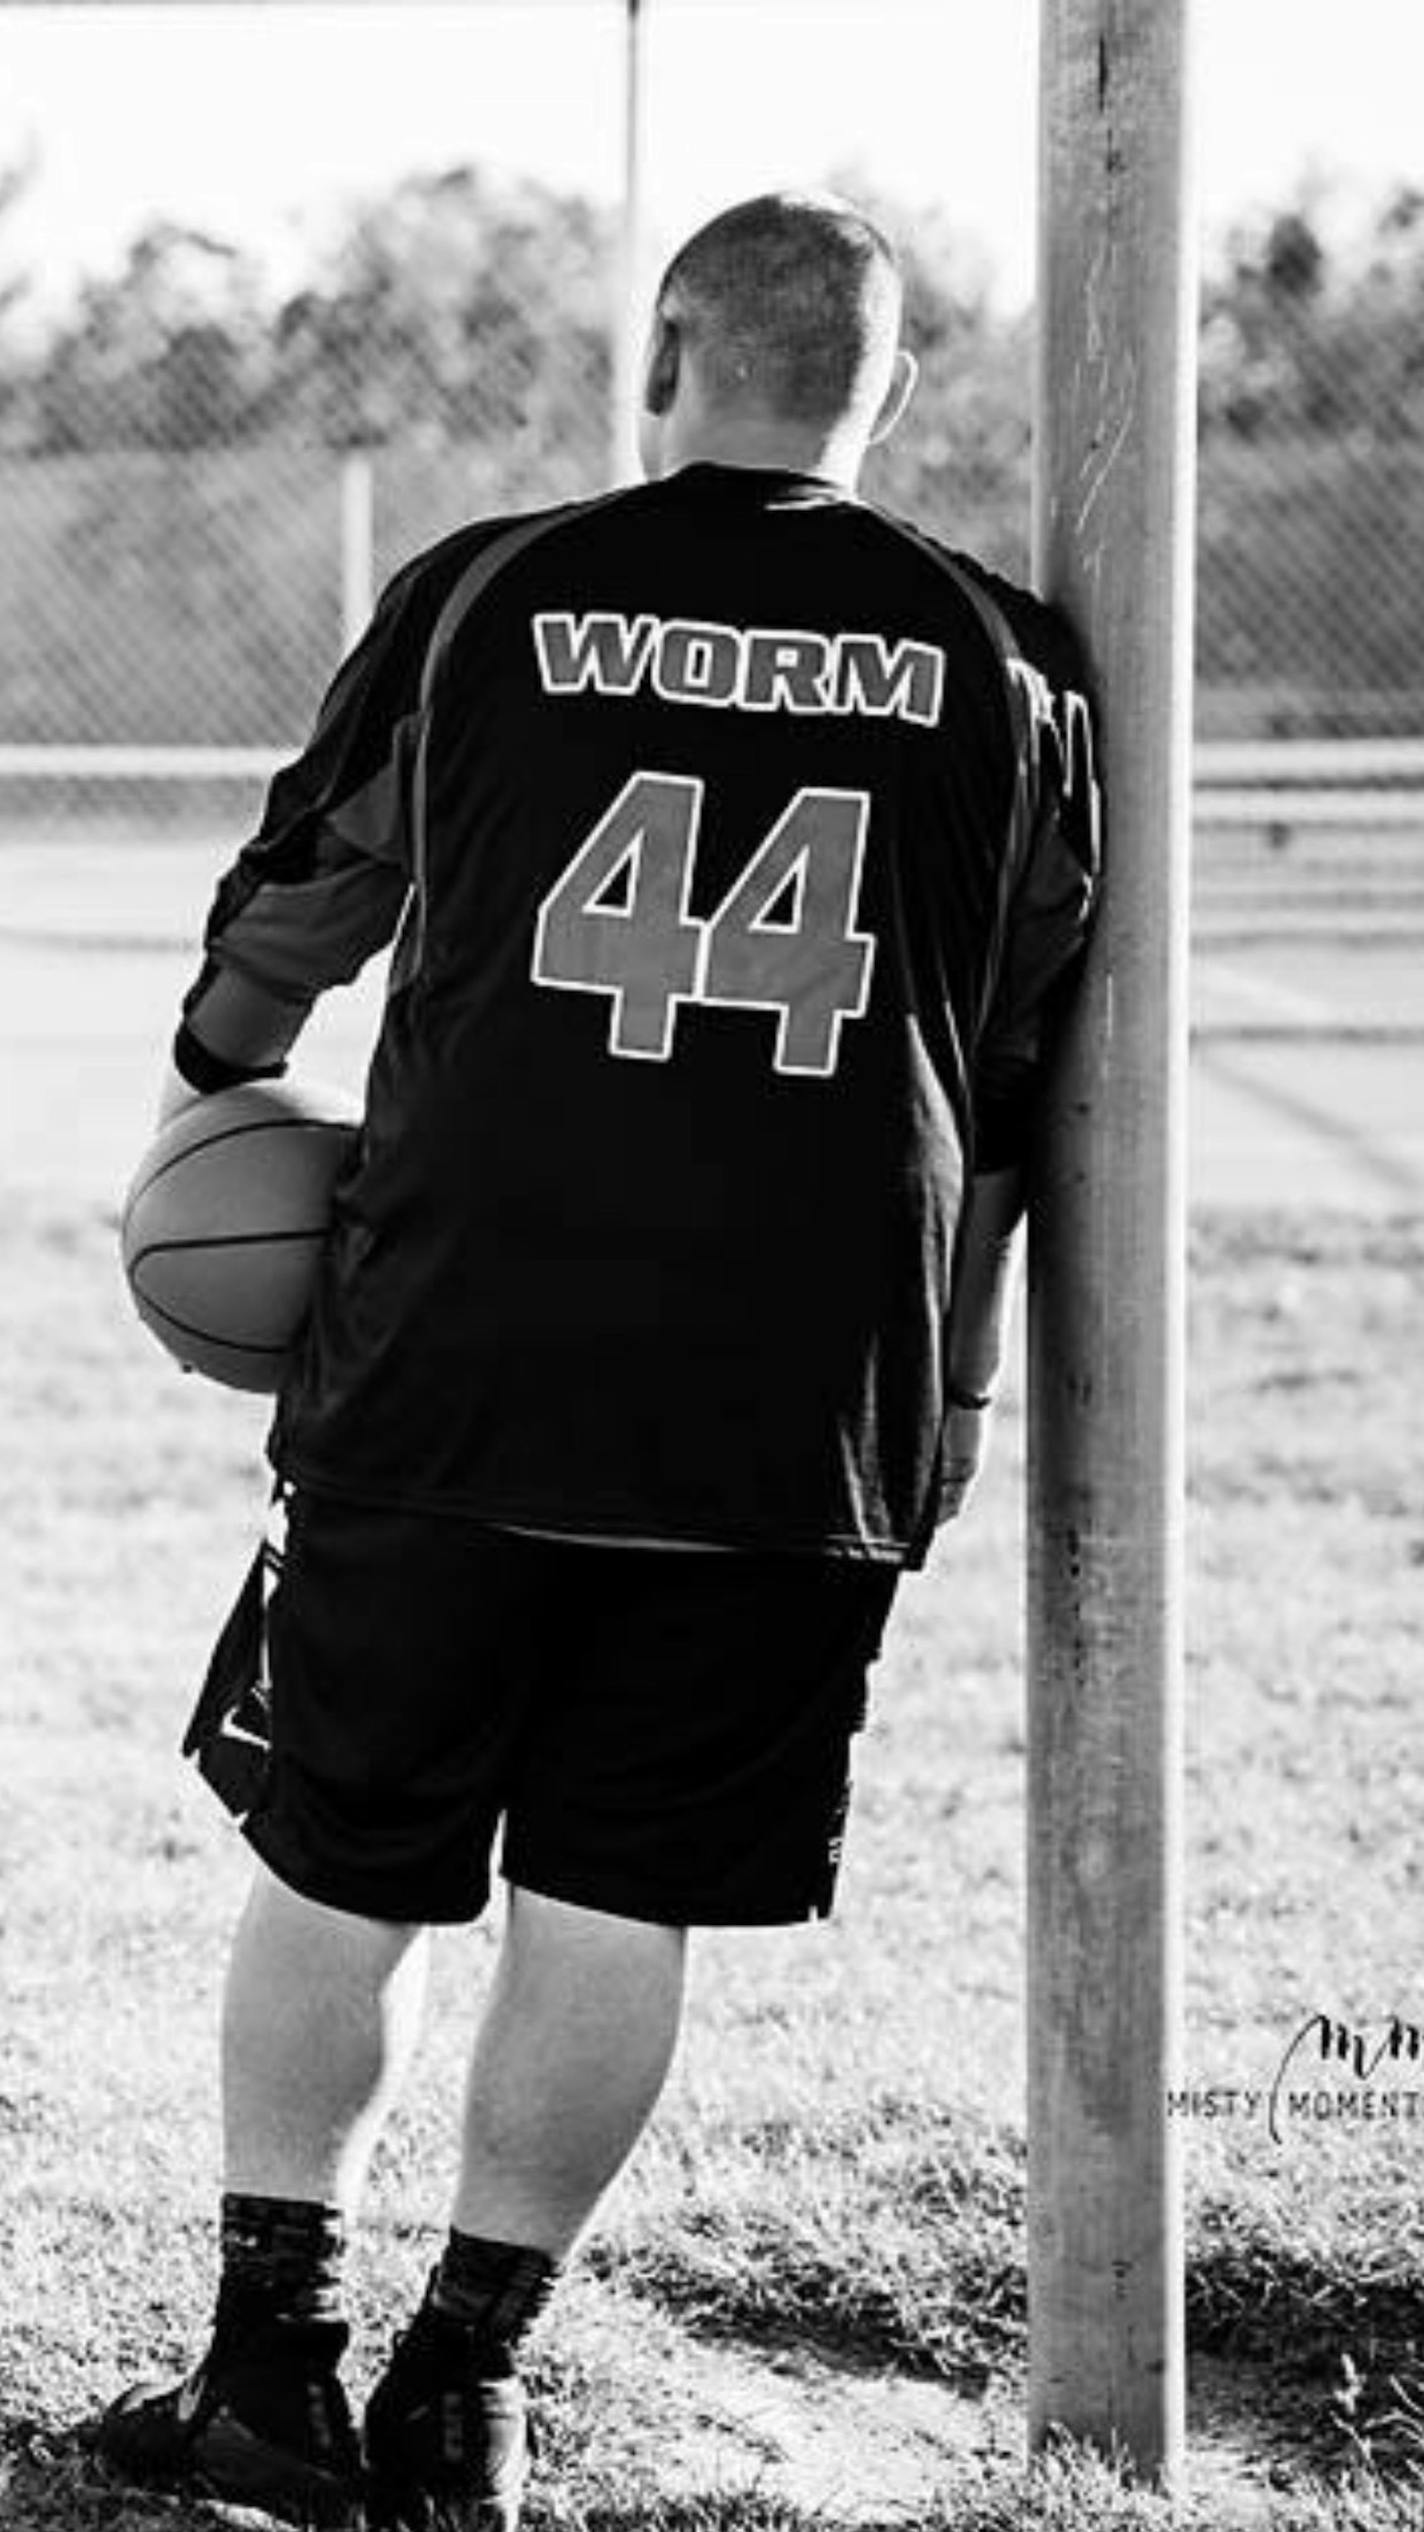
(711, 908)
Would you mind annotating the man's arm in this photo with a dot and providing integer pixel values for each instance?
(1050, 906)
(985, 1282)
(246, 1035)
(323, 883)
(986, 1274)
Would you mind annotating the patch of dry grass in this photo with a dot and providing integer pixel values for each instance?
(805, 2304)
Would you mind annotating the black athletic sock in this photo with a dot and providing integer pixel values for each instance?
(497, 2289)
(282, 2260)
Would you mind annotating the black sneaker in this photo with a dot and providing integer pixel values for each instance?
(447, 2438)
(262, 2422)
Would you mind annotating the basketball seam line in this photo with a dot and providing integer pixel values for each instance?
(221, 1239)
(232, 1134)
(233, 1344)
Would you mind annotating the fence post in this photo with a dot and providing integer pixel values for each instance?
(1113, 536)
(628, 314)
(358, 544)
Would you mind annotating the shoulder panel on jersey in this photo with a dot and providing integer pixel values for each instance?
(486, 567)
(993, 618)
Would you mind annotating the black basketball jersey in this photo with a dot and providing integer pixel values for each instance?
(738, 836)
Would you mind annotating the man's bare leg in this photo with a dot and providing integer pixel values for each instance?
(320, 2020)
(568, 2062)
(321, 2017)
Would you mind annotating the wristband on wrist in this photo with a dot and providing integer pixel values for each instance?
(972, 1401)
(205, 1072)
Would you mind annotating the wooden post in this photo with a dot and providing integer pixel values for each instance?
(1113, 541)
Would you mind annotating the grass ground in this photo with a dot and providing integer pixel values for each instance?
(805, 2305)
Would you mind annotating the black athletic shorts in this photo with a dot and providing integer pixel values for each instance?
(662, 1734)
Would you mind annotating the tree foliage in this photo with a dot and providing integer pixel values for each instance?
(960, 460)
(164, 354)
(452, 305)
(1299, 338)
(461, 325)
(440, 304)
(446, 300)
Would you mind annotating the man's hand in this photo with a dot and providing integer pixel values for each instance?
(197, 1068)
(175, 1095)
(966, 1443)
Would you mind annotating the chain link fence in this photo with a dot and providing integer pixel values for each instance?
(199, 599)
(198, 497)
(1310, 566)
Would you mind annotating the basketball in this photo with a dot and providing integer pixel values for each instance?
(223, 1226)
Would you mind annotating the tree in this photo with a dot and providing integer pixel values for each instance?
(15, 182)
(959, 462)
(453, 310)
(165, 354)
(1303, 337)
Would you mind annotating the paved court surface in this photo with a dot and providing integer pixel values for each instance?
(1307, 1078)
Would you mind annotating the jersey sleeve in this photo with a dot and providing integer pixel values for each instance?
(322, 885)
(1053, 888)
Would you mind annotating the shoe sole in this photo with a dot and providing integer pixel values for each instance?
(233, 2464)
(424, 2513)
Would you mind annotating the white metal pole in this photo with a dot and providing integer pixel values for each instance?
(1113, 539)
(358, 544)
(629, 314)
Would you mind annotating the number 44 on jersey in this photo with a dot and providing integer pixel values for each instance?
(783, 939)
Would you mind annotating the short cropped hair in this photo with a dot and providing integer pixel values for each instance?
(791, 301)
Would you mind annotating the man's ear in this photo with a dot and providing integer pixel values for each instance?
(664, 363)
(897, 395)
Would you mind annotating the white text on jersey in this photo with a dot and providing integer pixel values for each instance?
(740, 668)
